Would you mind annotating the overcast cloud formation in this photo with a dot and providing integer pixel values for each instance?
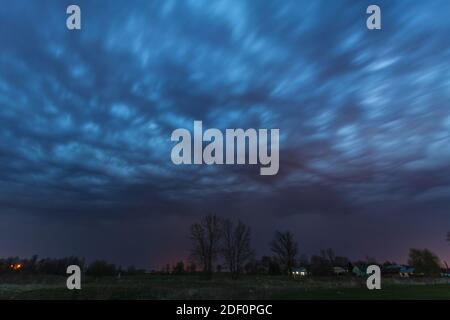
(86, 118)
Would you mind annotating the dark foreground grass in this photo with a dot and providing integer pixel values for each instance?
(391, 292)
(220, 287)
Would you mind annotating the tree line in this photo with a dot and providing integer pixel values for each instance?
(58, 266)
(214, 238)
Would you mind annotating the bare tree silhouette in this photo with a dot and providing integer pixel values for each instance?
(205, 237)
(236, 248)
(285, 249)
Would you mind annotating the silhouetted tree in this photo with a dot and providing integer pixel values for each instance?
(131, 270)
(323, 264)
(340, 261)
(192, 268)
(31, 264)
(270, 266)
(101, 268)
(57, 266)
(320, 265)
(178, 268)
(371, 260)
(424, 261)
(251, 267)
(328, 255)
(205, 237)
(285, 249)
(236, 248)
(303, 260)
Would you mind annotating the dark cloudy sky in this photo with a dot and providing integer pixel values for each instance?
(86, 118)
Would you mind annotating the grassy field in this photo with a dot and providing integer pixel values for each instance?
(220, 287)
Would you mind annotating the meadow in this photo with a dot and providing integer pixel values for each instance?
(220, 287)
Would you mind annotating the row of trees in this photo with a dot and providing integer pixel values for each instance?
(39, 266)
(321, 264)
(213, 238)
(50, 266)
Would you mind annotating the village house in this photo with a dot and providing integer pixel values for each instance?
(406, 272)
(445, 272)
(339, 271)
(360, 270)
(299, 272)
(391, 269)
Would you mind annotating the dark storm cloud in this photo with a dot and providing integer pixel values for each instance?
(86, 116)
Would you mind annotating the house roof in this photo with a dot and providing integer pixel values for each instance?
(360, 267)
(407, 269)
(339, 268)
(299, 269)
(393, 267)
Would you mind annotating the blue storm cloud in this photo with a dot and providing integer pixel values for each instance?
(86, 116)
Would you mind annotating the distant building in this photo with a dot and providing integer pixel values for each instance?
(406, 271)
(339, 271)
(360, 270)
(391, 269)
(445, 273)
(299, 272)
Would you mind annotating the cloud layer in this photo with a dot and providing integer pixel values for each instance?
(86, 118)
